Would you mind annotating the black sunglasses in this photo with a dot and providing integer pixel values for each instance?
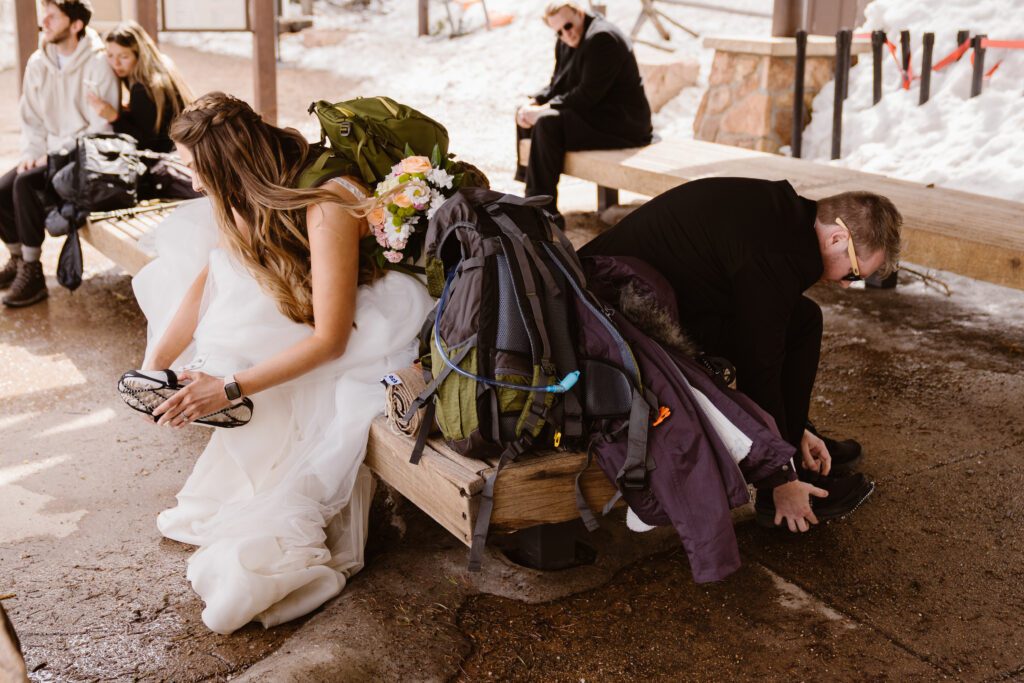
(566, 28)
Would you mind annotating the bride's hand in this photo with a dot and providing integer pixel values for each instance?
(204, 394)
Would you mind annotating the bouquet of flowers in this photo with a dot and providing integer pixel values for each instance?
(407, 198)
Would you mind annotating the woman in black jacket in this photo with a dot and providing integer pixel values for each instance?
(156, 92)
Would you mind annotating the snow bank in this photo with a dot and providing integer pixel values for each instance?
(976, 145)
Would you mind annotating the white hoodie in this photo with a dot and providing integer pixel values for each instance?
(53, 108)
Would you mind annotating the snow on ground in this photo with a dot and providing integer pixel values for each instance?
(473, 83)
(975, 144)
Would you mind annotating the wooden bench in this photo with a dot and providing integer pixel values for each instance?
(122, 236)
(974, 235)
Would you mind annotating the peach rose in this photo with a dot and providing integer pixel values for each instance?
(376, 216)
(402, 200)
(415, 165)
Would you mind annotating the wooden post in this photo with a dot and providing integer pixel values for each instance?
(926, 67)
(606, 196)
(146, 15)
(264, 59)
(424, 16)
(796, 144)
(27, 24)
(877, 41)
(847, 60)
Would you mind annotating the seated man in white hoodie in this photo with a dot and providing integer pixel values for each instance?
(54, 111)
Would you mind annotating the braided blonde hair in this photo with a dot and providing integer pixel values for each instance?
(249, 168)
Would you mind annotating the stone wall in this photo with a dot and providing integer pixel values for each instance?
(749, 100)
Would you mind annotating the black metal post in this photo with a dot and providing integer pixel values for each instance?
(926, 67)
(961, 36)
(905, 55)
(842, 75)
(877, 41)
(979, 65)
(796, 143)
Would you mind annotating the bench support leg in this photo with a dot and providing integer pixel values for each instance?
(551, 546)
(606, 196)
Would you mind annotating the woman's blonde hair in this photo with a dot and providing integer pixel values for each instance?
(249, 168)
(154, 70)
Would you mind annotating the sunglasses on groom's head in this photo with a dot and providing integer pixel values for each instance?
(565, 29)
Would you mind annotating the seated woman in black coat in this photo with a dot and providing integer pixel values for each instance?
(595, 99)
(156, 92)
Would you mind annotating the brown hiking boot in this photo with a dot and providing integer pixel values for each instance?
(9, 272)
(29, 285)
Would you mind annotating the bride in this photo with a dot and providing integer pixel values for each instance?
(260, 290)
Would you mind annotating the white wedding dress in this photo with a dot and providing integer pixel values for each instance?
(278, 507)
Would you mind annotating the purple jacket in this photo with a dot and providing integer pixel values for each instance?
(694, 482)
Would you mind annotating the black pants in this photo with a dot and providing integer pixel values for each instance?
(799, 368)
(556, 132)
(22, 209)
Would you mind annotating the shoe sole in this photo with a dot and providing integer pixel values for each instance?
(766, 519)
(27, 302)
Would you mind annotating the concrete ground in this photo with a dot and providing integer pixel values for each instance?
(922, 583)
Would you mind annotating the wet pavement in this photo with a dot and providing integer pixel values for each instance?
(924, 582)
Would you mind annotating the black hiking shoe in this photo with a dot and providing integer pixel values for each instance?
(845, 494)
(29, 286)
(845, 454)
(9, 272)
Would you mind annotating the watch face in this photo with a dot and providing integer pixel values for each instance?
(233, 391)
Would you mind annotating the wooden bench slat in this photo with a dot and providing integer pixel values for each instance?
(116, 245)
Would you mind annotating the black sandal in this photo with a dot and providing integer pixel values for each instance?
(144, 392)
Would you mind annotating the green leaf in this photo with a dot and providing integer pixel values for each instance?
(408, 151)
(435, 156)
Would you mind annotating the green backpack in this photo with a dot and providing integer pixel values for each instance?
(369, 135)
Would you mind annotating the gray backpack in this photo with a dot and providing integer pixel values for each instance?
(500, 345)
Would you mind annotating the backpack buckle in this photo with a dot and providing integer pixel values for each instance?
(345, 128)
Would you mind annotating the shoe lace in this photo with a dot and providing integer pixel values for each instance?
(22, 279)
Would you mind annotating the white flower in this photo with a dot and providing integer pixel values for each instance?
(386, 185)
(440, 178)
(436, 200)
(418, 193)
